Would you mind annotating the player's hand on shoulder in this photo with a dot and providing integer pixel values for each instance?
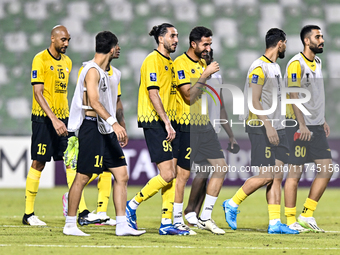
(171, 132)
(59, 127)
(120, 132)
(212, 68)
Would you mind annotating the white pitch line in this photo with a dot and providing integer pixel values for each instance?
(176, 247)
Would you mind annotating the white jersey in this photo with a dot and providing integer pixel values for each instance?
(272, 79)
(215, 109)
(313, 82)
(77, 110)
(114, 81)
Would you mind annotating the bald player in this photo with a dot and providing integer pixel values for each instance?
(49, 78)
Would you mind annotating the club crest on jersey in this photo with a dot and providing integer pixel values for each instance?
(254, 79)
(153, 77)
(52, 68)
(166, 68)
(181, 74)
(34, 74)
(192, 70)
(294, 77)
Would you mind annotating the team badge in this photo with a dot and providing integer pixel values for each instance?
(166, 68)
(192, 70)
(294, 77)
(67, 69)
(153, 77)
(52, 68)
(181, 75)
(254, 79)
(34, 74)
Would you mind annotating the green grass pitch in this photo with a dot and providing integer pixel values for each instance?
(250, 238)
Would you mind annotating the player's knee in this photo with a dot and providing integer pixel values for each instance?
(38, 165)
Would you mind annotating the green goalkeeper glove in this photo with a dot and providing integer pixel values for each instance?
(71, 152)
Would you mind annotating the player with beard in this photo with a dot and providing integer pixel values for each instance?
(49, 78)
(269, 145)
(304, 71)
(198, 140)
(156, 115)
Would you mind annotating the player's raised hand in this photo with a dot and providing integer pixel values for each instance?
(306, 135)
(59, 127)
(120, 132)
(171, 132)
(212, 68)
(272, 135)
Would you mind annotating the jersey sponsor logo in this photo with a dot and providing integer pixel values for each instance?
(294, 79)
(52, 68)
(192, 70)
(34, 74)
(153, 77)
(254, 79)
(166, 68)
(181, 74)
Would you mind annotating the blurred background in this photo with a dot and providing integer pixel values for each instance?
(238, 26)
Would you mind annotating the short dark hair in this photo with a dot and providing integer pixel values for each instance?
(105, 41)
(160, 30)
(273, 36)
(197, 33)
(306, 30)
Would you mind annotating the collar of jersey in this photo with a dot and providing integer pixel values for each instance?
(53, 56)
(162, 55)
(265, 59)
(190, 58)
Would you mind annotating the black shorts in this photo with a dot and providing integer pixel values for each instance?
(184, 150)
(205, 145)
(45, 142)
(113, 153)
(91, 148)
(263, 153)
(159, 148)
(306, 151)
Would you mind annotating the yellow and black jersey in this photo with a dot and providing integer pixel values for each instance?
(189, 71)
(110, 73)
(157, 72)
(54, 74)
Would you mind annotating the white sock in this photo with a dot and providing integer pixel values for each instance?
(208, 207)
(273, 222)
(71, 221)
(133, 204)
(232, 203)
(121, 219)
(191, 217)
(178, 215)
(166, 221)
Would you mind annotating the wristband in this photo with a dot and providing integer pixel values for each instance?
(110, 120)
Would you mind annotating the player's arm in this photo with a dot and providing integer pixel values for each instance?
(226, 126)
(158, 105)
(120, 119)
(92, 83)
(294, 80)
(58, 125)
(191, 93)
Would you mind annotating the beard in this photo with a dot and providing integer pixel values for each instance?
(61, 49)
(282, 54)
(167, 46)
(200, 53)
(315, 49)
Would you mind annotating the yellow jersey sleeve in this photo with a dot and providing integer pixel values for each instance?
(294, 74)
(151, 74)
(183, 75)
(257, 76)
(38, 72)
(119, 90)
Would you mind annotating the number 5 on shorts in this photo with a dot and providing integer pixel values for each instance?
(268, 153)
